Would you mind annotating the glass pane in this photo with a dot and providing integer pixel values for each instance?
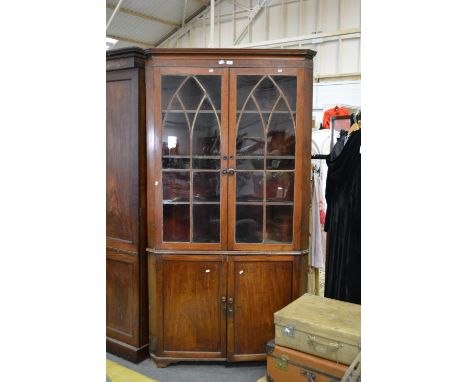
(250, 164)
(206, 224)
(208, 164)
(266, 94)
(212, 85)
(249, 186)
(205, 139)
(169, 85)
(280, 164)
(245, 84)
(250, 135)
(176, 222)
(176, 137)
(288, 85)
(206, 186)
(176, 186)
(279, 224)
(176, 163)
(249, 224)
(191, 94)
(280, 186)
(281, 138)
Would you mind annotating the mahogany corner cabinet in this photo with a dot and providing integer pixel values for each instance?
(228, 191)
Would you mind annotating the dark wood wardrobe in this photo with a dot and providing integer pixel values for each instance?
(228, 144)
(126, 270)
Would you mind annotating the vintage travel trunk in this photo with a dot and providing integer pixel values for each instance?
(288, 365)
(320, 326)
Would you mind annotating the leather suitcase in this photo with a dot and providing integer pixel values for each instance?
(288, 365)
(320, 326)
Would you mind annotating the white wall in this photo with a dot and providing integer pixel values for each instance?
(330, 27)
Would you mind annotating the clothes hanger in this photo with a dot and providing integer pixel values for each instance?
(357, 123)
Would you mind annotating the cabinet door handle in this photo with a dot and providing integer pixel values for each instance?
(224, 172)
(230, 308)
(231, 171)
(223, 303)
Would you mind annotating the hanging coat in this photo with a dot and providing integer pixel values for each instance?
(343, 221)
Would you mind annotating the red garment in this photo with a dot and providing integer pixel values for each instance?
(322, 217)
(335, 112)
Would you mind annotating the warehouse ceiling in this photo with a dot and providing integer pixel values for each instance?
(147, 23)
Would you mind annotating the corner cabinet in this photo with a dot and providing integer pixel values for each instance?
(228, 141)
(126, 262)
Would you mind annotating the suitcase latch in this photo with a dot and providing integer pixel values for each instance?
(309, 375)
(282, 362)
(288, 331)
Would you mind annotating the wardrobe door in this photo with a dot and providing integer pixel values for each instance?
(191, 320)
(189, 169)
(258, 287)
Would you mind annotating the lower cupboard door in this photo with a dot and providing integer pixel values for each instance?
(258, 289)
(194, 319)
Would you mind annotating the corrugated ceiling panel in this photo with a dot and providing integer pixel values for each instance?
(136, 28)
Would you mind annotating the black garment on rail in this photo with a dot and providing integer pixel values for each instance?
(343, 221)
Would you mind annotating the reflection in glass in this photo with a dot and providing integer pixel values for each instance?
(250, 135)
(281, 137)
(206, 186)
(250, 164)
(280, 186)
(175, 163)
(206, 224)
(207, 164)
(266, 94)
(176, 222)
(280, 164)
(205, 138)
(249, 224)
(191, 94)
(279, 224)
(169, 86)
(212, 85)
(176, 136)
(245, 84)
(288, 85)
(249, 186)
(176, 186)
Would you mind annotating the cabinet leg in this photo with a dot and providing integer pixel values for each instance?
(161, 363)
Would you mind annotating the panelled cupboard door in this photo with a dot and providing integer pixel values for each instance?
(122, 134)
(265, 163)
(122, 297)
(189, 181)
(257, 288)
(193, 323)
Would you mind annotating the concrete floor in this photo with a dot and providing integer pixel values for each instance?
(196, 372)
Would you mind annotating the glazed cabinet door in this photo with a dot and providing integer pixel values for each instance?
(265, 144)
(191, 320)
(258, 287)
(187, 177)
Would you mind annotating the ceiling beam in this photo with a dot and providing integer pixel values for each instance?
(144, 16)
(143, 43)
